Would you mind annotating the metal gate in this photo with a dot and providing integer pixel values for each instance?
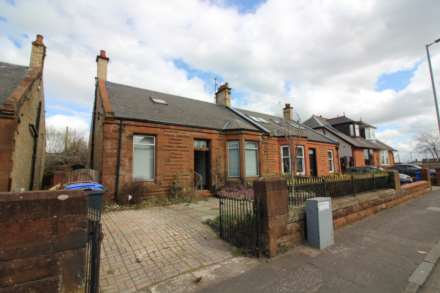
(240, 223)
(93, 248)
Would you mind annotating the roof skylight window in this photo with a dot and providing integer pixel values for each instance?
(158, 101)
(258, 119)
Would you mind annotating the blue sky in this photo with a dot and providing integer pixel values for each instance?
(397, 80)
(323, 57)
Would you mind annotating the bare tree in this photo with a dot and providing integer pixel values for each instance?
(428, 143)
(65, 148)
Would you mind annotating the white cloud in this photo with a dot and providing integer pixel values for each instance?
(331, 52)
(61, 122)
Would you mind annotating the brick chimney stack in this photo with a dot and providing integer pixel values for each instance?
(38, 52)
(102, 62)
(223, 95)
(288, 112)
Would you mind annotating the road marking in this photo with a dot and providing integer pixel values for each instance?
(434, 209)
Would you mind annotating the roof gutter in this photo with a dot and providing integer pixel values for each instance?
(238, 113)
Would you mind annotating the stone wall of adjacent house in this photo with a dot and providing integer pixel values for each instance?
(345, 149)
(376, 157)
(97, 133)
(23, 141)
(322, 157)
(358, 156)
(391, 158)
(283, 228)
(272, 155)
(174, 157)
(7, 126)
(42, 246)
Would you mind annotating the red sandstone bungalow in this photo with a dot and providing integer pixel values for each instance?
(358, 145)
(22, 126)
(160, 139)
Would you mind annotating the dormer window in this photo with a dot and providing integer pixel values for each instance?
(370, 133)
(356, 130)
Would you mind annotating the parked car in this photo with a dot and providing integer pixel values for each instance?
(405, 178)
(409, 169)
(364, 170)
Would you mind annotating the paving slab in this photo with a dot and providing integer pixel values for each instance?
(145, 247)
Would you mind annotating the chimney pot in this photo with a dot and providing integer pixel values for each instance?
(38, 52)
(102, 63)
(102, 54)
(39, 39)
(223, 95)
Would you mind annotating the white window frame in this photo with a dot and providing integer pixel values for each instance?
(303, 159)
(331, 161)
(228, 143)
(351, 127)
(356, 130)
(283, 157)
(143, 178)
(369, 133)
(256, 157)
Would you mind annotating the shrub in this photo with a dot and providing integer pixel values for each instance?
(132, 193)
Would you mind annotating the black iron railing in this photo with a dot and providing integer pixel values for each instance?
(93, 247)
(302, 188)
(239, 223)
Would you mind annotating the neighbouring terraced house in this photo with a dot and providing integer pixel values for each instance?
(159, 138)
(358, 145)
(22, 125)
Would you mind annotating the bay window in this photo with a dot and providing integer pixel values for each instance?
(233, 158)
(251, 159)
(285, 159)
(300, 166)
(384, 158)
(143, 157)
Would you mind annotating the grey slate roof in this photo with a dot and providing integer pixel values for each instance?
(340, 120)
(10, 77)
(278, 126)
(360, 142)
(136, 103)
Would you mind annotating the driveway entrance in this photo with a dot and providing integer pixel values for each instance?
(148, 246)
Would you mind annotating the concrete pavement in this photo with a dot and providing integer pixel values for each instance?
(378, 254)
(433, 283)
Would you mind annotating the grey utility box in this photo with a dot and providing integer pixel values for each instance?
(319, 222)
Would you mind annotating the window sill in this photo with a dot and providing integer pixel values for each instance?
(144, 180)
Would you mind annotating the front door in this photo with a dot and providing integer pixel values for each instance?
(201, 164)
(312, 161)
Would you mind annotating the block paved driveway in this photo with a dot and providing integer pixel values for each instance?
(145, 247)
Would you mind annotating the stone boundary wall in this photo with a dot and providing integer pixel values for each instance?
(282, 231)
(42, 243)
(357, 211)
